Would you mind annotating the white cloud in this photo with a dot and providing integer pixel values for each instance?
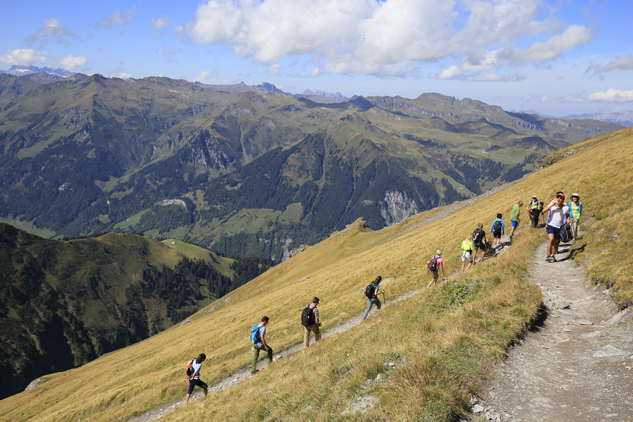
(125, 75)
(169, 55)
(385, 38)
(612, 95)
(159, 25)
(274, 69)
(551, 49)
(624, 62)
(207, 77)
(513, 76)
(547, 99)
(453, 72)
(118, 19)
(69, 62)
(54, 29)
(25, 57)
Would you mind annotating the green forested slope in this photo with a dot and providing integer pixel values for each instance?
(64, 303)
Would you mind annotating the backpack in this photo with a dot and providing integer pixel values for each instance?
(370, 290)
(497, 226)
(566, 233)
(478, 234)
(432, 264)
(307, 316)
(255, 333)
(189, 371)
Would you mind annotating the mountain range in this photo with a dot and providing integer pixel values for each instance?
(248, 170)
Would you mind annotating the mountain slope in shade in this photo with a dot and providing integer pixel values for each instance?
(64, 303)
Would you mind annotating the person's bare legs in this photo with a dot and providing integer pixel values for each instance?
(550, 244)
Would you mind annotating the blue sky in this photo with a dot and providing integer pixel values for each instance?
(555, 57)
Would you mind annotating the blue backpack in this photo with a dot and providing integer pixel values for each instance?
(255, 333)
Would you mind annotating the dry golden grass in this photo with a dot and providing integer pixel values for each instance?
(445, 338)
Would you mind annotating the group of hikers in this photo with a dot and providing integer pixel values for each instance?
(559, 216)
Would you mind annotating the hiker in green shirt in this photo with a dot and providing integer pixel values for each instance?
(575, 209)
(515, 217)
(467, 252)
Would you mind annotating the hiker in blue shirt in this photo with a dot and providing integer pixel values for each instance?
(259, 344)
(497, 229)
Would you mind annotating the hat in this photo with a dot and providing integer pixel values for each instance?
(534, 196)
(576, 195)
(561, 194)
(438, 252)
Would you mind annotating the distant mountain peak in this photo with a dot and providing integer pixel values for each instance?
(21, 70)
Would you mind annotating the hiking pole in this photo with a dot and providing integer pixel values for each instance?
(384, 297)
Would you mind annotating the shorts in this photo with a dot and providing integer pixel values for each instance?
(554, 230)
(199, 383)
(466, 257)
(497, 235)
(434, 274)
(515, 223)
(476, 247)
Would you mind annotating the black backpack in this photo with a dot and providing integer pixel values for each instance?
(307, 316)
(478, 235)
(370, 290)
(497, 227)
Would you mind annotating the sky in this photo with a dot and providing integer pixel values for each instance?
(558, 57)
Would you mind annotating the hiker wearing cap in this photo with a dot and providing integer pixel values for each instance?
(194, 367)
(434, 266)
(558, 215)
(515, 217)
(497, 229)
(258, 335)
(575, 209)
(479, 242)
(311, 322)
(534, 209)
(371, 292)
(467, 253)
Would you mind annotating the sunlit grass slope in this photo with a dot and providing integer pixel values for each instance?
(443, 340)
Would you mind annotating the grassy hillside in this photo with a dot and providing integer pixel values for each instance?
(64, 303)
(443, 340)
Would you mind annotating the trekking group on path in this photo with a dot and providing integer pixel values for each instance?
(561, 225)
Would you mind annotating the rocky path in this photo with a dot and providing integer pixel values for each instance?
(577, 366)
(244, 372)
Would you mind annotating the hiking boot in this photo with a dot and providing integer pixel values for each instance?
(553, 259)
(254, 372)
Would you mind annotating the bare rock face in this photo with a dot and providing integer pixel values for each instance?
(34, 383)
(396, 207)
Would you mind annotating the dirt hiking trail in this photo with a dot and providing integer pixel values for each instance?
(576, 366)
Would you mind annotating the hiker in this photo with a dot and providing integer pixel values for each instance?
(467, 252)
(575, 209)
(258, 336)
(479, 242)
(311, 322)
(558, 214)
(372, 291)
(515, 217)
(434, 265)
(194, 378)
(534, 209)
(497, 229)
